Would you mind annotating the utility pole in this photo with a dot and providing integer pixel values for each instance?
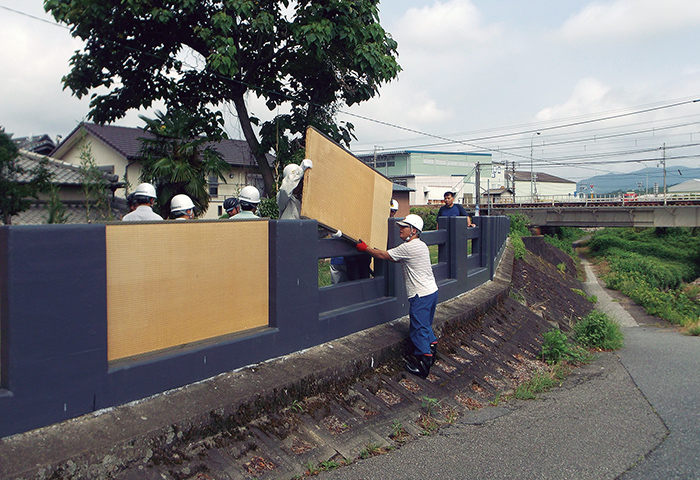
(664, 164)
(477, 181)
(532, 192)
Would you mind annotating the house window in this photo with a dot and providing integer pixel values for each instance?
(213, 186)
(106, 169)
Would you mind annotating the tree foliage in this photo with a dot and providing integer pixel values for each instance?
(179, 158)
(18, 185)
(94, 185)
(307, 56)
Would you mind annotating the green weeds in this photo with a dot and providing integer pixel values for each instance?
(597, 330)
(653, 266)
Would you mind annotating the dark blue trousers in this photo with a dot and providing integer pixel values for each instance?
(421, 313)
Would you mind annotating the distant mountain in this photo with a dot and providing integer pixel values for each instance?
(613, 182)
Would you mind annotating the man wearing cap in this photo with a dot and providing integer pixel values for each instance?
(248, 200)
(421, 287)
(231, 207)
(452, 209)
(144, 196)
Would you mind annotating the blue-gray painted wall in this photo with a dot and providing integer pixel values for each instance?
(53, 313)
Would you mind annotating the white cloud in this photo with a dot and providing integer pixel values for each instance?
(589, 96)
(630, 18)
(444, 25)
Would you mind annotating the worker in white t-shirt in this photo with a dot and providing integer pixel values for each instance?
(422, 290)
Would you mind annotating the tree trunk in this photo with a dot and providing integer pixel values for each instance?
(254, 145)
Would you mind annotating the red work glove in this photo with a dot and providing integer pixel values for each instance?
(362, 246)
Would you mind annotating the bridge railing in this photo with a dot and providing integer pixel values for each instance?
(93, 316)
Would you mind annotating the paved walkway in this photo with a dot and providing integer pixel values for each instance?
(631, 414)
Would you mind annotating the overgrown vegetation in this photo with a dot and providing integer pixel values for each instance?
(94, 185)
(595, 331)
(55, 208)
(653, 267)
(518, 229)
(564, 237)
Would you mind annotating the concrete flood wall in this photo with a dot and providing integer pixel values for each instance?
(57, 307)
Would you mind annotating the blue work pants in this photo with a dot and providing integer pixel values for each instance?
(421, 313)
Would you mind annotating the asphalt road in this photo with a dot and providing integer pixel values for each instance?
(632, 414)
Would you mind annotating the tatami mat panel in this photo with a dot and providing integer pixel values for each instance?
(174, 283)
(345, 194)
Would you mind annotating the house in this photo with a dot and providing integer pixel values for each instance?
(69, 180)
(541, 185)
(116, 151)
(41, 144)
(431, 174)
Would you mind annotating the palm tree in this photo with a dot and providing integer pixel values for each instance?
(180, 157)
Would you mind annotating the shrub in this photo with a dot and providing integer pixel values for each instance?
(555, 347)
(268, 208)
(518, 229)
(597, 330)
(429, 216)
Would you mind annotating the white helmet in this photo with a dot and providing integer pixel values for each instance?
(181, 203)
(289, 169)
(412, 220)
(394, 205)
(145, 190)
(249, 194)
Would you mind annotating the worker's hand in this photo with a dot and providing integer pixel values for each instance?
(471, 225)
(337, 234)
(306, 163)
(362, 246)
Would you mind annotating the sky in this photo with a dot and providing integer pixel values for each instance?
(574, 89)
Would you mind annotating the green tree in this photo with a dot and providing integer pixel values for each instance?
(179, 158)
(55, 208)
(18, 185)
(94, 185)
(308, 56)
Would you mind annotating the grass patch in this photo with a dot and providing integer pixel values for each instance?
(652, 266)
(597, 330)
(540, 382)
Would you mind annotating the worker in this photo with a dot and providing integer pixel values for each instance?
(421, 288)
(248, 200)
(289, 195)
(231, 207)
(452, 209)
(393, 208)
(131, 202)
(181, 207)
(145, 197)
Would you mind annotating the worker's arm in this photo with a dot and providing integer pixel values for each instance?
(374, 252)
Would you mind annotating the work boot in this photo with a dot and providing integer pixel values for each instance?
(419, 365)
(433, 350)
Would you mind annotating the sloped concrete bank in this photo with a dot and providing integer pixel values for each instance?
(332, 403)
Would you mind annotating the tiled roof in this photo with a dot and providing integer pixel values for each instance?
(125, 141)
(62, 173)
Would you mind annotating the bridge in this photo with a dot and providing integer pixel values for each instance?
(673, 211)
